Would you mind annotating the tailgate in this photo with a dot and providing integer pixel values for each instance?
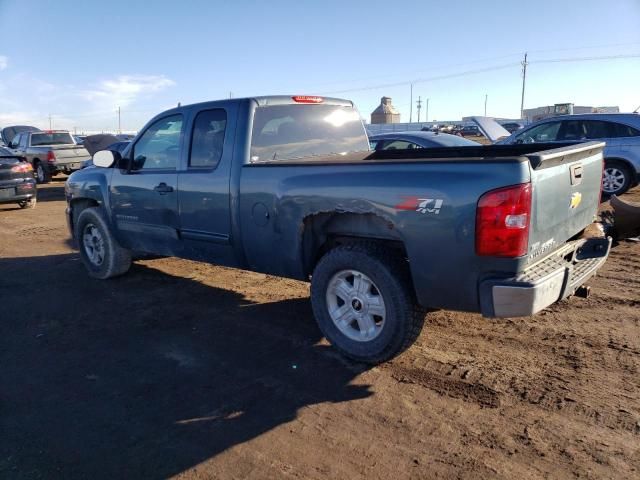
(566, 194)
(72, 153)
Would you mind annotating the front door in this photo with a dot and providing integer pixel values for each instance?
(144, 195)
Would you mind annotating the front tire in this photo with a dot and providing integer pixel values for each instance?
(364, 303)
(100, 252)
(617, 178)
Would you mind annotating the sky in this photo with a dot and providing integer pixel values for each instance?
(71, 64)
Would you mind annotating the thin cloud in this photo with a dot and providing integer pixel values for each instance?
(126, 89)
(4, 62)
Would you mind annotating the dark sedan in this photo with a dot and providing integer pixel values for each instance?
(410, 140)
(17, 184)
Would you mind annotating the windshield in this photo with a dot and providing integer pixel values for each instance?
(54, 138)
(285, 132)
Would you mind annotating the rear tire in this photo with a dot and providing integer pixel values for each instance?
(31, 203)
(100, 252)
(42, 173)
(363, 301)
(617, 178)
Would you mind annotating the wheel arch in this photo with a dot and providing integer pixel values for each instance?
(323, 231)
(77, 205)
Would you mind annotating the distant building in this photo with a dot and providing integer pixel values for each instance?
(534, 114)
(385, 113)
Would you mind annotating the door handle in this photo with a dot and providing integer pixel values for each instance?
(163, 188)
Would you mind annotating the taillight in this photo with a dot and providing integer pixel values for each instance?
(502, 221)
(307, 99)
(22, 167)
(51, 156)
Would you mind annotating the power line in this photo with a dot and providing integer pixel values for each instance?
(587, 59)
(426, 79)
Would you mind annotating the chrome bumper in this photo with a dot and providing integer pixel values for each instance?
(552, 279)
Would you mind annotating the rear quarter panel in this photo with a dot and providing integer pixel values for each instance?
(276, 199)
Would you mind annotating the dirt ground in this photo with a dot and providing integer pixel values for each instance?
(194, 371)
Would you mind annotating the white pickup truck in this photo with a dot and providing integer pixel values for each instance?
(49, 152)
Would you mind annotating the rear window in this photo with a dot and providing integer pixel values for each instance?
(62, 138)
(622, 130)
(286, 132)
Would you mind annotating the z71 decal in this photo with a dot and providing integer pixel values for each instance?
(422, 205)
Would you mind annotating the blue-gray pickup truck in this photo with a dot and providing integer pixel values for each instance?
(287, 185)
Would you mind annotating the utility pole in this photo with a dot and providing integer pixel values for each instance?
(411, 105)
(419, 103)
(230, 94)
(119, 129)
(50, 127)
(485, 104)
(426, 116)
(524, 79)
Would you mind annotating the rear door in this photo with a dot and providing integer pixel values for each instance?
(203, 196)
(144, 195)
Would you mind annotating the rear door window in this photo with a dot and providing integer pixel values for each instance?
(207, 138)
(595, 129)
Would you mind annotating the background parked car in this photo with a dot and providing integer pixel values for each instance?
(410, 140)
(8, 133)
(17, 184)
(470, 131)
(95, 143)
(621, 131)
(512, 126)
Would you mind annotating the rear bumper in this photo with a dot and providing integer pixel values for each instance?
(545, 282)
(17, 192)
(66, 167)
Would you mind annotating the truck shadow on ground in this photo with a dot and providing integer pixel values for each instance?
(149, 374)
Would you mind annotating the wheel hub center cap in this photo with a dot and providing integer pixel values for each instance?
(356, 304)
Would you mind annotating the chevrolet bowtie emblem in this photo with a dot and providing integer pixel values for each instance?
(576, 198)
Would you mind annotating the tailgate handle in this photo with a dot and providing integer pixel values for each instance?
(576, 174)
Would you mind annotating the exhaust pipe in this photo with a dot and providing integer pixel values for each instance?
(583, 292)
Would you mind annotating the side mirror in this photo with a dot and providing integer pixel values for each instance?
(105, 158)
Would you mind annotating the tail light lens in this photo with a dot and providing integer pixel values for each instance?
(502, 221)
(22, 167)
(51, 157)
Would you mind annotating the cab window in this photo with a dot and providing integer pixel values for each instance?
(159, 146)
